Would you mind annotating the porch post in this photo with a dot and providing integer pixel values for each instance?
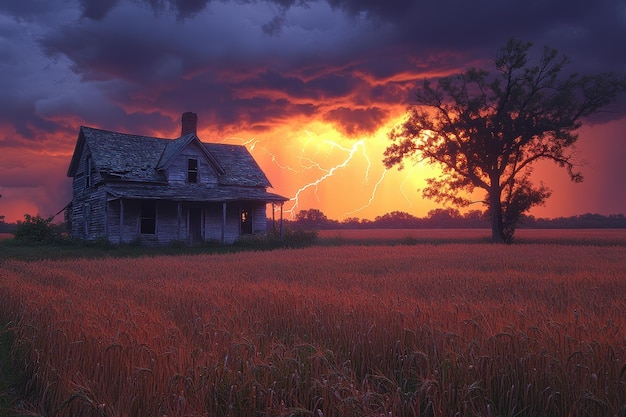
(180, 215)
(106, 217)
(273, 219)
(224, 222)
(281, 222)
(121, 239)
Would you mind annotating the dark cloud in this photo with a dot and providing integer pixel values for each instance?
(324, 86)
(236, 60)
(97, 10)
(27, 10)
(356, 122)
(298, 51)
(275, 26)
(388, 10)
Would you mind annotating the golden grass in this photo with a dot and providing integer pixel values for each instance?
(474, 329)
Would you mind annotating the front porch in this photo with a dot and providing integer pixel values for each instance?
(161, 222)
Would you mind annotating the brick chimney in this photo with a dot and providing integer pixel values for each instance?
(189, 123)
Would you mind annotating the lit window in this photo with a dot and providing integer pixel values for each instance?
(246, 222)
(148, 217)
(192, 170)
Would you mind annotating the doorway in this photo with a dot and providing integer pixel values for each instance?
(195, 225)
(246, 221)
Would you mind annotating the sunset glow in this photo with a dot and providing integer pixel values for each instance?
(312, 90)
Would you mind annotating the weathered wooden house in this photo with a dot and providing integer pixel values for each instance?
(130, 188)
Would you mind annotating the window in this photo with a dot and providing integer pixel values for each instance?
(192, 170)
(148, 217)
(88, 172)
(86, 218)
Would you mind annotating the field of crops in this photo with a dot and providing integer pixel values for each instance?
(410, 330)
(559, 236)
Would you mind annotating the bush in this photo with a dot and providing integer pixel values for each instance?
(299, 238)
(291, 239)
(36, 230)
(252, 242)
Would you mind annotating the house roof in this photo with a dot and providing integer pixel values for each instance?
(174, 147)
(128, 163)
(192, 193)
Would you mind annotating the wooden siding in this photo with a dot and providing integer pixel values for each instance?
(171, 228)
(260, 219)
(177, 171)
(213, 220)
(168, 228)
(88, 215)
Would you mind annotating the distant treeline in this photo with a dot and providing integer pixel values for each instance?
(449, 219)
(436, 219)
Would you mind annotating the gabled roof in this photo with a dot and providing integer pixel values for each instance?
(119, 155)
(175, 147)
(134, 158)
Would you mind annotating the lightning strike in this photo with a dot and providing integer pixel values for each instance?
(311, 156)
(251, 144)
(329, 173)
(370, 201)
(406, 197)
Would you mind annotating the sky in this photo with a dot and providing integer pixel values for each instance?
(310, 87)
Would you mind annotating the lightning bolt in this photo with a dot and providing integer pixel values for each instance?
(328, 173)
(406, 197)
(371, 200)
(314, 150)
(251, 145)
(360, 144)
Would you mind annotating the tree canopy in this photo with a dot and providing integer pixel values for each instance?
(487, 130)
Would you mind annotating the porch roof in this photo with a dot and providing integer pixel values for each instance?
(191, 192)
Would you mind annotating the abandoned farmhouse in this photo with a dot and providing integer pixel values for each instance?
(130, 188)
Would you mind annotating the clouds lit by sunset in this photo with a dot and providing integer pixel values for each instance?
(311, 88)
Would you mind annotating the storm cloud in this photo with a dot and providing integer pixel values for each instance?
(254, 65)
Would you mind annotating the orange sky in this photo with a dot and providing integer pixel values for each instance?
(318, 167)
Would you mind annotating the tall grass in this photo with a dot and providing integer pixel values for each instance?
(454, 329)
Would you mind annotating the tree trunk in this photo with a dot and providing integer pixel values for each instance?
(495, 208)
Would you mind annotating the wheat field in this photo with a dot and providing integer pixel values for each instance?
(414, 330)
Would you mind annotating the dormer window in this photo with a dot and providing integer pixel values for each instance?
(192, 170)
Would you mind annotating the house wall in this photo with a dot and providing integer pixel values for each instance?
(88, 215)
(170, 227)
(213, 218)
(166, 230)
(130, 227)
(260, 219)
(177, 171)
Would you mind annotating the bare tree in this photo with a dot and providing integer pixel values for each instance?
(486, 131)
